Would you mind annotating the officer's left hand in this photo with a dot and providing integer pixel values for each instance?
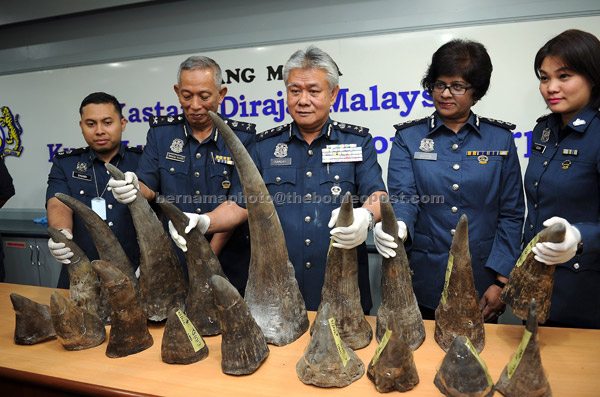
(555, 253)
(125, 190)
(353, 235)
(490, 303)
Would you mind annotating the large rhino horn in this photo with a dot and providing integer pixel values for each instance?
(271, 277)
(105, 241)
(162, 282)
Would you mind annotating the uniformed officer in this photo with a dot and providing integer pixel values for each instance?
(186, 162)
(452, 163)
(562, 181)
(7, 190)
(81, 174)
(309, 165)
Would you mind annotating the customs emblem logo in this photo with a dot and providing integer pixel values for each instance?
(545, 135)
(81, 166)
(177, 145)
(426, 145)
(10, 133)
(281, 150)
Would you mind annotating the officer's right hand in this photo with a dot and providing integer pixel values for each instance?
(385, 243)
(125, 190)
(202, 222)
(60, 251)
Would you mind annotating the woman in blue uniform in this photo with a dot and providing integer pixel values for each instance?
(452, 163)
(562, 181)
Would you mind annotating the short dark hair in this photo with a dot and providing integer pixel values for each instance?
(100, 98)
(580, 52)
(465, 58)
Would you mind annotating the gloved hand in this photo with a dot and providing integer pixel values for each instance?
(353, 235)
(555, 253)
(60, 251)
(126, 189)
(385, 243)
(202, 222)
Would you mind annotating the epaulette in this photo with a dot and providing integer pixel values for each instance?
(353, 129)
(134, 149)
(542, 118)
(406, 124)
(499, 123)
(72, 152)
(272, 132)
(157, 121)
(241, 126)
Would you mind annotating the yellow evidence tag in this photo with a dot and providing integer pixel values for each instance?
(193, 335)
(338, 342)
(470, 346)
(527, 250)
(382, 345)
(447, 279)
(515, 360)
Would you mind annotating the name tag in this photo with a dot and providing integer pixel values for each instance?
(538, 147)
(425, 156)
(342, 153)
(282, 161)
(82, 176)
(175, 157)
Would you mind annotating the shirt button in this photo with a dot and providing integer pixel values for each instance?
(308, 174)
(337, 177)
(225, 172)
(455, 187)
(109, 206)
(307, 241)
(198, 155)
(308, 196)
(196, 174)
(530, 227)
(197, 192)
(535, 184)
(171, 170)
(454, 210)
(310, 153)
(110, 223)
(456, 166)
(307, 219)
(455, 147)
(198, 210)
(308, 265)
(278, 179)
(545, 163)
(576, 266)
(452, 231)
(535, 206)
(81, 192)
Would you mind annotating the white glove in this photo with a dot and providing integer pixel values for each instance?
(350, 236)
(385, 243)
(202, 222)
(555, 253)
(60, 251)
(126, 189)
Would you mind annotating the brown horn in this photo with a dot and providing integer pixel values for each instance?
(77, 328)
(162, 282)
(458, 312)
(181, 342)
(396, 287)
(85, 289)
(524, 374)
(271, 276)
(243, 345)
(340, 288)
(202, 264)
(128, 331)
(109, 248)
(531, 279)
(33, 322)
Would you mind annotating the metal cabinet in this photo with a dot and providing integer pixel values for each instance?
(27, 260)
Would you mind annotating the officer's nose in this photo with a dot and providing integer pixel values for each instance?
(304, 98)
(196, 103)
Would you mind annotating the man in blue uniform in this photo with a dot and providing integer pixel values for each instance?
(309, 164)
(186, 162)
(80, 173)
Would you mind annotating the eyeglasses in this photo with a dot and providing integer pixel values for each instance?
(455, 89)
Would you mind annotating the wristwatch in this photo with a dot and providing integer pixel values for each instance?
(371, 219)
(499, 283)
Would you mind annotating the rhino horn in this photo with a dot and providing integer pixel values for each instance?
(77, 328)
(33, 322)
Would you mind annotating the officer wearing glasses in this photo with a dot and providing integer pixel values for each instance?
(452, 163)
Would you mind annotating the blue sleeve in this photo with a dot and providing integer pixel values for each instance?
(402, 183)
(7, 189)
(147, 170)
(507, 242)
(368, 171)
(57, 180)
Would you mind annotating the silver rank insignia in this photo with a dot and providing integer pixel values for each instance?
(483, 159)
(546, 135)
(336, 190)
(177, 145)
(566, 164)
(578, 122)
(81, 166)
(426, 145)
(281, 150)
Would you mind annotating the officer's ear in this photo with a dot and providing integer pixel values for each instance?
(334, 94)
(222, 93)
(176, 89)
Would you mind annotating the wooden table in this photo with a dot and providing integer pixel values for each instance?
(571, 358)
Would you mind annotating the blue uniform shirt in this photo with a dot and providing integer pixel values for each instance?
(197, 177)
(306, 187)
(563, 179)
(80, 174)
(435, 176)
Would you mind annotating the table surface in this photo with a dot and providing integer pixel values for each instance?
(571, 358)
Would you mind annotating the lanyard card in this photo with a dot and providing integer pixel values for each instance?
(99, 207)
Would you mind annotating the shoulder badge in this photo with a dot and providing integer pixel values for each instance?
(157, 121)
(272, 132)
(353, 129)
(241, 126)
(542, 118)
(499, 123)
(134, 149)
(406, 124)
(72, 152)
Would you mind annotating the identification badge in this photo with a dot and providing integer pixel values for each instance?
(79, 175)
(342, 153)
(99, 207)
(538, 147)
(175, 157)
(425, 156)
(282, 161)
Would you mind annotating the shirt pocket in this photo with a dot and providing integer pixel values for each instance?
(221, 176)
(173, 167)
(336, 176)
(280, 180)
